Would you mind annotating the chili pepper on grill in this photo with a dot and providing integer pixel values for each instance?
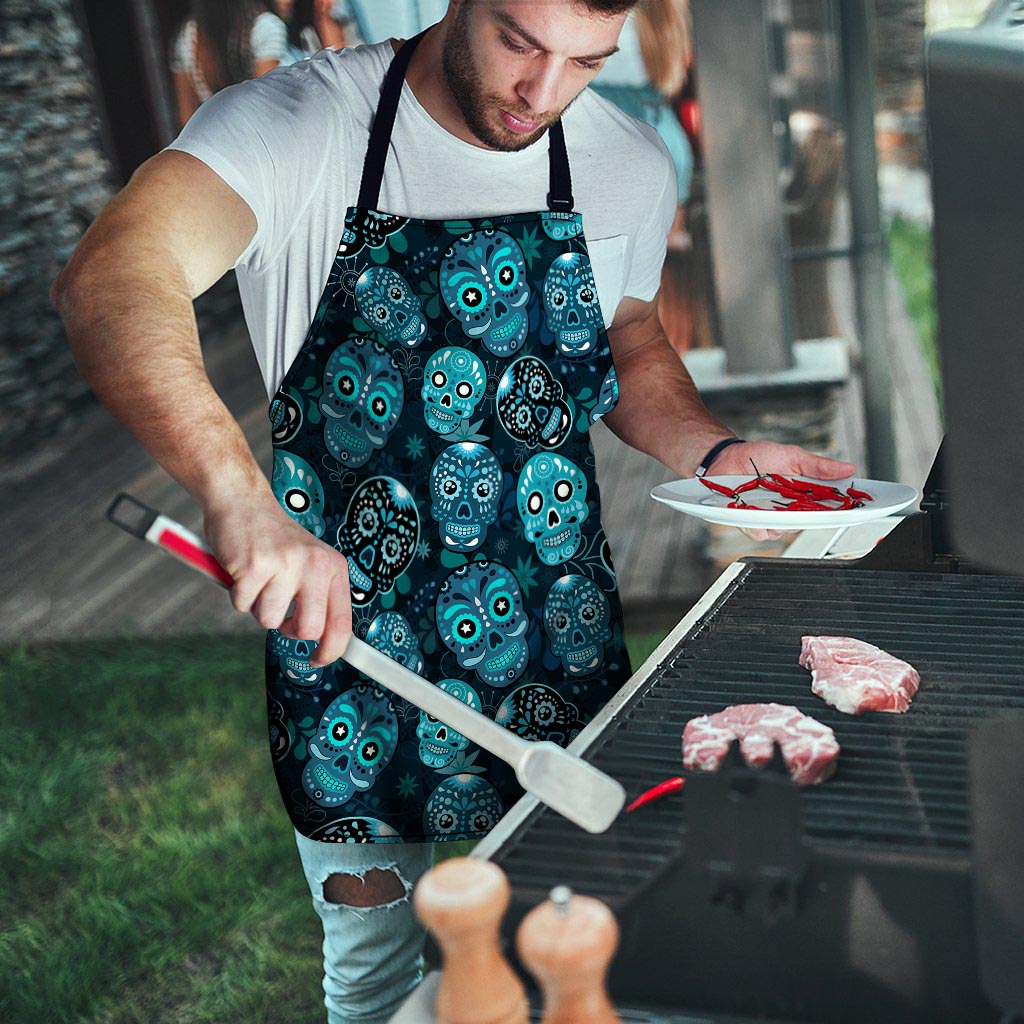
(656, 793)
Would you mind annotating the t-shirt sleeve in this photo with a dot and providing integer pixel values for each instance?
(649, 251)
(269, 38)
(268, 139)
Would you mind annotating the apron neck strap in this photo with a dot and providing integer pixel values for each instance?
(559, 197)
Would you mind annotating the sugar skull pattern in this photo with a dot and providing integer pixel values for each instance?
(465, 492)
(571, 306)
(392, 635)
(367, 228)
(299, 491)
(285, 418)
(390, 306)
(439, 743)
(378, 536)
(482, 620)
(485, 286)
(577, 620)
(453, 384)
(552, 502)
(539, 712)
(293, 659)
(530, 406)
(355, 740)
(362, 398)
(462, 807)
(439, 444)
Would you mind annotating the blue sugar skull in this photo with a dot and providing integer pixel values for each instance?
(367, 227)
(537, 712)
(483, 281)
(577, 620)
(378, 536)
(552, 502)
(391, 634)
(462, 807)
(293, 659)
(570, 303)
(439, 744)
(560, 226)
(465, 488)
(299, 491)
(285, 417)
(355, 830)
(608, 397)
(481, 619)
(390, 306)
(363, 395)
(355, 740)
(529, 404)
(454, 381)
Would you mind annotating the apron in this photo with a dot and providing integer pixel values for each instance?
(434, 429)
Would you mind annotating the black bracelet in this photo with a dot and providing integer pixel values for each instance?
(705, 463)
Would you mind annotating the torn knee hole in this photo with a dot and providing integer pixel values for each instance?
(376, 888)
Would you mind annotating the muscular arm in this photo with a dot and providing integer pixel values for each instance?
(660, 411)
(126, 300)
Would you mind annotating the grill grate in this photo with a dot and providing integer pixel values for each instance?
(902, 779)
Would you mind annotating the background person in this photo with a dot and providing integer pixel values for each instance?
(221, 43)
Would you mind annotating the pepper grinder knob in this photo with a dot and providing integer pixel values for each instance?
(567, 943)
(462, 902)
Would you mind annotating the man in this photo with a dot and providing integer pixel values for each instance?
(430, 413)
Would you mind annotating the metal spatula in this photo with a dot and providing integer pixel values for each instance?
(576, 790)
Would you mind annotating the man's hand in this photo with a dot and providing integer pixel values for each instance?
(273, 562)
(770, 457)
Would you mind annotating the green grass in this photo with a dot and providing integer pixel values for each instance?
(148, 871)
(910, 246)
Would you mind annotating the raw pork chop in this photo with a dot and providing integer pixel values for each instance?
(809, 748)
(855, 677)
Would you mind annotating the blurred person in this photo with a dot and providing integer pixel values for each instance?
(648, 73)
(433, 359)
(313, 25)
(221, 43)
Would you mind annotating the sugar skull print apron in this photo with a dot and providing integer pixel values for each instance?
(434, 430)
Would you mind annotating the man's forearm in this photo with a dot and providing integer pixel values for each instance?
(134, 337)
(660, 411)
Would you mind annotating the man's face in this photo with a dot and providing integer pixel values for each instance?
(513, 66)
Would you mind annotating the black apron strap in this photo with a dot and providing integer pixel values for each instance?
(383, 123)
(560, 195)
(560, 186)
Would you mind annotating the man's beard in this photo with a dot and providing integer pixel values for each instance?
(465, 86)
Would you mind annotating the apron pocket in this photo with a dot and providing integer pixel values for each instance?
(608, 260)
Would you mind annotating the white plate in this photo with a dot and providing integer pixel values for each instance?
(693, 498)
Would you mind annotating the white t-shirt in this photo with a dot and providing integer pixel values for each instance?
(292, 144)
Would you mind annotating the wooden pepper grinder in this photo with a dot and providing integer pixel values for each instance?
(462, 901)
(567, 943)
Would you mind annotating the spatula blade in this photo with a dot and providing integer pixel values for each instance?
(572, 787)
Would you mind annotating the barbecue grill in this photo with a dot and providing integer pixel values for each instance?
(893, 892)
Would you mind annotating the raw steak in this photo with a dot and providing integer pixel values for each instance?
(855, 677)
(809, 748)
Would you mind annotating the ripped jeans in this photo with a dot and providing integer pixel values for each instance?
(373, 943)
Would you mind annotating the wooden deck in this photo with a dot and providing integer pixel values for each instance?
(72, 574)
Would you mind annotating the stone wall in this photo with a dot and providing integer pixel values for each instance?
(54, 178)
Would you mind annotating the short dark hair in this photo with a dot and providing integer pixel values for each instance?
(609, 6)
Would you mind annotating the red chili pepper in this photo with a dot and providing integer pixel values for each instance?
(656, 793)
(749, 485)
(720, 488)
(863, 495)
(807, 505)
(808, 487)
